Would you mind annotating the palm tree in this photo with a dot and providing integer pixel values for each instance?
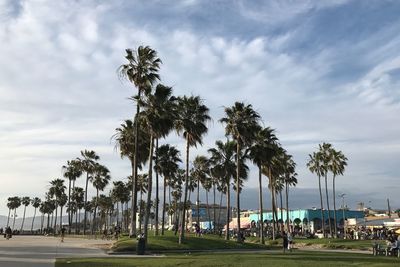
(35, 202)
(325, 150)
(192, 116)
(71, 171)
(261, 153)
(87, 164)
(168, 158)
(142, 186)
(337, 166)
(241, 122)
(199, 172)
(141, 70)
(10, 207)
(315, 166)
(61, 203)
(77, 197)
(25, 201)
(116, 193)
(223, 159)
(125, 138)
(290, 179)
(56, 191)
(99, 179)
(158, 110)
(13, 204)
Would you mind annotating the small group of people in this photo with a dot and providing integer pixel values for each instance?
(7, 232)
(287, 242)
(393, 244)
(113, 232)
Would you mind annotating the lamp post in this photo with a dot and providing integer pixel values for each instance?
(344, 217)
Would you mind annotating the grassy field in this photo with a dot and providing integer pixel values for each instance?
(338, 243)
(170, 242)
(270, 259)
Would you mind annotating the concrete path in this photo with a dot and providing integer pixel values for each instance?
(35, 251)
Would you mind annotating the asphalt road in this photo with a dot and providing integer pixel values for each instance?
(35, 251)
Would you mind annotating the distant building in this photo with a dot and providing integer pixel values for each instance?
(307, 218)
(206, 216)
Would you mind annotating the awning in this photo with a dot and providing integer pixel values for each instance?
(244, 223)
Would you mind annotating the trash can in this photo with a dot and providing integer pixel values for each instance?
(141, 245)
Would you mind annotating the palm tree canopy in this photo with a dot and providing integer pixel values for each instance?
(125, 140)
(72, 170)
(26, 201)
(264, 147)
(35, 202)
(241, 123)
(192, 116)
(101, 177)
(168, 159)
(142, 67)
(57, 188)
(159, 111)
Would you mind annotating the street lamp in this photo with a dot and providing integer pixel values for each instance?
(344, 217)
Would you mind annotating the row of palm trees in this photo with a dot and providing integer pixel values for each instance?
(323, 162)
(158, 113)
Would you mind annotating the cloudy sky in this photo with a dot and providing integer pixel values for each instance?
(315, 70)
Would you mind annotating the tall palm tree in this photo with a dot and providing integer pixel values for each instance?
(77, 196)
(192, 116)
(13, 204)
(141, 70)
(325, 149)
(168, 158)
(315, 166)
(290, 179)
(71, 171)
(261, 153)
(56, 191)
(200, 172)
(99, 179)
(87, 163)
(158, 113)
(61, 203)
(35, 202)
(25, 202)
(241, 122)
(117, 194)
(10, 207)
(223, 159)
(337, 166)
(125, 138)
(142, 186)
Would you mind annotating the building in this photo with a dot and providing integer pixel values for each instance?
(309, 219)
(206, 216)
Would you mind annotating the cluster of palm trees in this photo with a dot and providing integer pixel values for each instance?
(225, 167)
(323, 162)
(158, 113)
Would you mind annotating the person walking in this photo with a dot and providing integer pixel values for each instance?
(285, 242)
(290, 242)
(62, 233)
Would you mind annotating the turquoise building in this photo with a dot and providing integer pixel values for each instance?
(308, 218)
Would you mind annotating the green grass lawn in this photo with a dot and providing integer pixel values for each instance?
(170, 242)
(298, 258)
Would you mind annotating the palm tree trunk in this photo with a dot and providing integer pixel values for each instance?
(239, 239)
(41, 223)
(117, 213)
(322, 206)
(23, 219)
(287, 208)
(149, 188)
(157, 197)
(208, 210)
(272, 203)
(228, 210)
(15, 213)
(334, 205)
(163, 207)
(8, 218)
(61, 212)
(219, 212)
(95, 212)
(33, 220)
(55, 220)
(69, 207)
(135, 171)
(85, 218)
(281, 202)
(214, 214)
(262, 241)
(140, 211)
(182, 232)
(198, 202)
(48, 222)
(327, 203)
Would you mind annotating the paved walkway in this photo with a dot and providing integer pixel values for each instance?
(35, 251)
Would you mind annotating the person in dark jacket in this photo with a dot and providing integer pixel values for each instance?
(285, 242)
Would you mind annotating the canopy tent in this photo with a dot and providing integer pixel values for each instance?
(244, 223)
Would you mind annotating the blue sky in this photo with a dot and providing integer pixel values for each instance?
(315, 70)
